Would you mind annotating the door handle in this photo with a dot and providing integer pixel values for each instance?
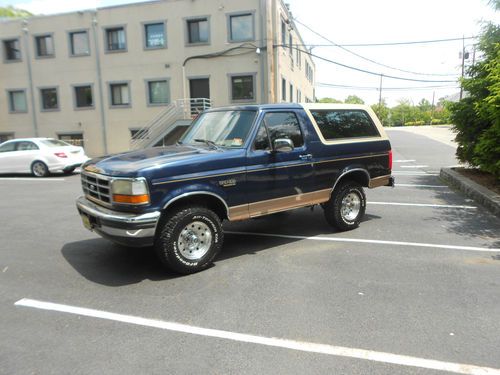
(306, 157)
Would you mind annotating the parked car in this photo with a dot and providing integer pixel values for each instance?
(40, 156)
(234, 164)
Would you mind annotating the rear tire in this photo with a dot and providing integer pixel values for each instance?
(69, 170)
(346, 207)
(189, 239)
(39, 169)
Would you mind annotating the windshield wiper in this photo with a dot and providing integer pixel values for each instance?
(208, 143)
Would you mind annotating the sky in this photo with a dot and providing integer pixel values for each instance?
(336, 22)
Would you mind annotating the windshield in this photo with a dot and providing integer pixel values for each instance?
(223, 128)
(54, 143)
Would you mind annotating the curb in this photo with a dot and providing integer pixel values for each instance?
(487, 198)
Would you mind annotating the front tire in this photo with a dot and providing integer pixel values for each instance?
(347, 206)
(189, 239)
(39, 169)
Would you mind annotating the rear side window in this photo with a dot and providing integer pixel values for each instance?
(338, 124)
(26, 146)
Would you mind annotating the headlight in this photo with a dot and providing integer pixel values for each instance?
(130, 191)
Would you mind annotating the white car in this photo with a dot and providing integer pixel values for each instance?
(40, 156)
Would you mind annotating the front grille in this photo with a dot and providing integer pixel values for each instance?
(96, 188)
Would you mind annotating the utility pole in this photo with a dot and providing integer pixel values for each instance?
(463, 64)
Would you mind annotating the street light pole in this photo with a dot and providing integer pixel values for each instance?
(463, 64)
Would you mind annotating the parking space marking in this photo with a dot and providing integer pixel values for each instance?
(413, 166)
(31, 179)
(405, 161)
(417, 185)
(303, 346)
(377, 242)
(413, 173)
(424, 205)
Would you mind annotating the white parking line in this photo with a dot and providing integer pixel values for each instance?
(424, 205)
(340, 351)
(404, 161)
(425, 186)
(413, 166)
(377, 242)
(413, 173)
(31, 179)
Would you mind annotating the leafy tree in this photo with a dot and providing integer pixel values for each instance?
(329, 100)
(353, 99)
(382, 112)
(11, 12)
(476, 118)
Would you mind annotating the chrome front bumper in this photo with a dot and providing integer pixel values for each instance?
(137, 230)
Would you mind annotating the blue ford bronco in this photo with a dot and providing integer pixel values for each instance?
(236, 163)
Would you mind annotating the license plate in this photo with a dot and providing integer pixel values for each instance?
(86, 222)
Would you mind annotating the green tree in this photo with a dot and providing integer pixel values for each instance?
(476, 118)
(353, 99)
(382, 112)
(329, 100)
(403, 113)
(11, 12)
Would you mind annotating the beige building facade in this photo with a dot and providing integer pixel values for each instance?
(97, 76)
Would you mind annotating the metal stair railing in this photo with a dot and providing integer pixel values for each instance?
(182, 109)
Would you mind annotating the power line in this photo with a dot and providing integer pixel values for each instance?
(391, 43)
(364, 70)
(333, 85)
(366, 58)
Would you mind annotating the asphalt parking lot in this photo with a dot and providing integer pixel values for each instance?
(414, 290)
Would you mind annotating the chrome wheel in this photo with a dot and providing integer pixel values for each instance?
(39, 169)
(351, 206)
(194, 240)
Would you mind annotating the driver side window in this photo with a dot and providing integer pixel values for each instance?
(284, 125)
(8, 147)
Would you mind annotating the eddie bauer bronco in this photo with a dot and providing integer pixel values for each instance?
(236, 163)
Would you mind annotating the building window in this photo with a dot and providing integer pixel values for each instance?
(115, 39)
(243, 88)
(291, 92)
(75, 139)
(158, 92)
(17, 101)
(12, 50)
(120, 94)
(283, 33)
(6, 137)
(198, 31)
(79, 43)
(83, 97)
(241, 27)
(49, 99)
(283, 89)
(291, 45)
(44, 46)
(154, 34)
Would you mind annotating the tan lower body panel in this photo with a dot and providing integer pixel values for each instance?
(379, 181)
(278, 204)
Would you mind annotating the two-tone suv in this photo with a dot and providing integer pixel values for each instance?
(237, 163)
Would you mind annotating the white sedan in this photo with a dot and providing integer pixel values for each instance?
(40, 156)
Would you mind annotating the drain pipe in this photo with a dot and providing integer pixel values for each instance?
(30, 76)
(99, 81)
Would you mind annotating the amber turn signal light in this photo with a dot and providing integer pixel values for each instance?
(131, 199)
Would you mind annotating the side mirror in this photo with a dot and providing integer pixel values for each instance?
(282, 145)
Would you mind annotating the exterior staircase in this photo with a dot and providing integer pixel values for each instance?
(164, 123)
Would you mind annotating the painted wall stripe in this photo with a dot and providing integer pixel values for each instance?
(423, 205)
(359, 240)
(369, 355)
